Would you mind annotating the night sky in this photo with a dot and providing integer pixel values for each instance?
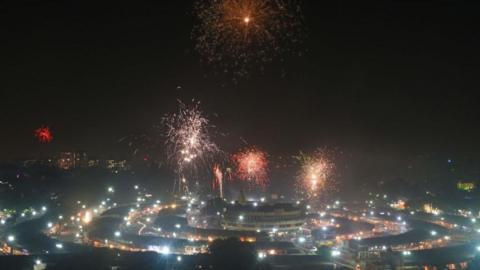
(384, 80)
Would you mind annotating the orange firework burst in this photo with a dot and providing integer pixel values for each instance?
(251, 166)
(237, 33)
(43, 134)
(315, 173)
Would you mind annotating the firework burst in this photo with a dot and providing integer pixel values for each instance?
(43, 134)
(188, 141)
(252, 166)
(218, 181)
(315, 175)
(237, 34)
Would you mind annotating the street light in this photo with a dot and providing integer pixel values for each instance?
(11, 238)
(165, 250)
(335, 253)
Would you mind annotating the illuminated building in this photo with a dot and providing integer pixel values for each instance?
(264, 218)
(72, 160)
(428, 208)
(466, 186)
(116, 165)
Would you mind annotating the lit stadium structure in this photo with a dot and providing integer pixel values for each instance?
(266, 217)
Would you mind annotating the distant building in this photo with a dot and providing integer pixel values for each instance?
(116, 165)
(429, 208)
(72, 160)
(94, 163)
(466, 186)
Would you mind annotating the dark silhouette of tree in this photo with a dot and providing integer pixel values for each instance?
(232, 254)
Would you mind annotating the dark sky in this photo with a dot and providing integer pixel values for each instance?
(380, 78)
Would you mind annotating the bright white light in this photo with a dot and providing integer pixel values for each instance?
(2, 221)
(255, 204)
(324, 228)
(49, 224)
(337, 202)
(335, 253)
(165, 250)
(262, 255)
(135, 187)
(117, 234)
(301, 239)
(308, 207)
(399, 218)
(34, 213)
(478, 248)
(11, 238)
(179, 258)
(59, 245)
(178, 226)
(474, 220)
(262, 199)
(240, 217)
(433, 233)
(148, 219)
(406, 253)
(38, 262)
(111, 190)
(60, 217)
(44, 208)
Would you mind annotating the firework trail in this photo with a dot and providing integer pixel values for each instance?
(188, 142)
(43, 134)
(218, 181)
(252, 166)
(315, 174)
(239, 34)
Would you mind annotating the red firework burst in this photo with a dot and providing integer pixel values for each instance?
(43, 134)
(251, 166)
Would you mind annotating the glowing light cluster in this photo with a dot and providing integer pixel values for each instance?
(315, 173)
(252, 166)
(43, 134)
(235, 34)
